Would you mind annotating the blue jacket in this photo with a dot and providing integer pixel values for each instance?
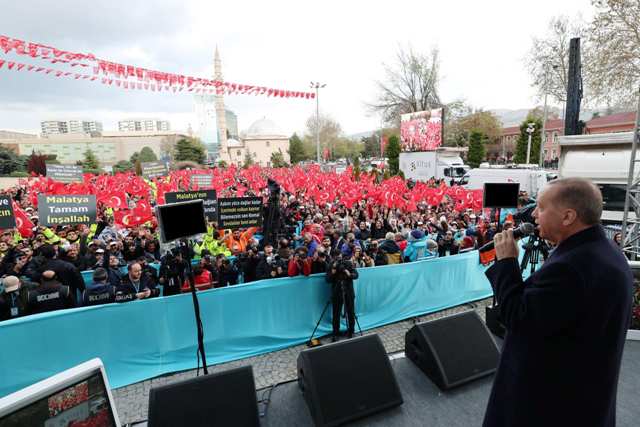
(416, 249)
(566, 328)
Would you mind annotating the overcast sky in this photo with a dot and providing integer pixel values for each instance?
(276, 44)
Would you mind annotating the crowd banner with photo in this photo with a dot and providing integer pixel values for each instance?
(152, 170)
(421, 131)
(208, 197)
(7, 218)
(66, 209)
(65, 173)
(201, 180)
(239, 212)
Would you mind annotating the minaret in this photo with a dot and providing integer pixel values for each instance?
(221, 121)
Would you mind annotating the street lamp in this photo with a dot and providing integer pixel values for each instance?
(543, 138)
(317, 86)
(531, 128)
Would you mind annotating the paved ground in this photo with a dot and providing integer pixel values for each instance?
(268, 369)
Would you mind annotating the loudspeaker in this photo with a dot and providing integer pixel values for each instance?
(453, 350)
(225, 398)
(347, 380)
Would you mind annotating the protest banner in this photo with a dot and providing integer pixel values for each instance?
(152, 170)
(65, 173)
(201, 180)
(7, 218)
(208, 197)
(239, 212)
(66, 209)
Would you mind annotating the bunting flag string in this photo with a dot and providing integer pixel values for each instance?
(127, 76)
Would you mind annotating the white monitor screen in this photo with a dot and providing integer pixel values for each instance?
(74, 398)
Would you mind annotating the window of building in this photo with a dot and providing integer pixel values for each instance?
(555, 137)
(239, 153)
(268, 143)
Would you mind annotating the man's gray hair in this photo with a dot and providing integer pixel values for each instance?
(579, 194)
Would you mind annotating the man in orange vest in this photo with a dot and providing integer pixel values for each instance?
(238, 240)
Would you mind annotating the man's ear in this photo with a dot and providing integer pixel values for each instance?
(569, 217)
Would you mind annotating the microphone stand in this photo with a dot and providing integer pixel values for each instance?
(186, 254)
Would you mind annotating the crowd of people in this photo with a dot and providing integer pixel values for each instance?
(42, 272)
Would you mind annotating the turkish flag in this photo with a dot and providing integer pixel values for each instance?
(23, 223)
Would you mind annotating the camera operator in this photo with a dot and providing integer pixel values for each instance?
(228, 273)
(341, 276)
(248, 264)
(172, 270)
(300, 263)
(269, 265)
(319, 263)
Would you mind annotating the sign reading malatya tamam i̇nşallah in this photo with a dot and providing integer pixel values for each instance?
(66, 209)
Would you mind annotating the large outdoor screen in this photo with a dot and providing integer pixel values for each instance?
(421, 131)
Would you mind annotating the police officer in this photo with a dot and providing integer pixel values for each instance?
(12, 301)
(101, 292)
(50, 295)
(341, 276)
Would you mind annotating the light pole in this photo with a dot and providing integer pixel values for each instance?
(544, 115)
(531, 127)
(317, 86)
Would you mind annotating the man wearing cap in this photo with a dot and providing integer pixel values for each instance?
(50, 295)
(12, 301)
(101, 292)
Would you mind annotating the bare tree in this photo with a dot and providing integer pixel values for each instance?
(548, 59)
(410, 85)
(614, 67)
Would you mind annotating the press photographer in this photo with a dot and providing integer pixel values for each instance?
(341, 276)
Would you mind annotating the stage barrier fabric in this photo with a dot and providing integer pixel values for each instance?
(143, 339)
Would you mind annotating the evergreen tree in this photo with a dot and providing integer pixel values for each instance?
(134, 157)
(90, 162)
(296, 149)
(248, 160)
(147, 155)
(476, 149)
(521, 145)
(9, 161)
(392, 151)
(37, 164)
(190, 149)
(277, 160)
(122, 166)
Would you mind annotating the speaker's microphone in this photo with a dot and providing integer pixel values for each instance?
(525, 229)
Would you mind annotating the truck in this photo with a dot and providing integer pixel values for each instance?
(530, 180)
(604, 159)
(441, 163)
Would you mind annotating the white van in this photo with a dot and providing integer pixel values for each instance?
(530, 180)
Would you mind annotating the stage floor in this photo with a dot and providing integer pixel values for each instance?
(425, 405)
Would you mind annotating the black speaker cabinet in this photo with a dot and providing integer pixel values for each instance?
(347, 380)
(453, 350)
(225, 398)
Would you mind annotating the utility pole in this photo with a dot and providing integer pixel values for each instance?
(317, 86)
(531, 127)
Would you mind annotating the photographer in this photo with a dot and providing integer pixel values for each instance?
(172, 271)
(341, 276)
(300, 263)
(319, 263)
(270, 265)
(228, 273)
(248, 264)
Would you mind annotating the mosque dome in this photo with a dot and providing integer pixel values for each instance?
(263, 127)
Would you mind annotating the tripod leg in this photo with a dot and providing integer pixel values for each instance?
(320, 319)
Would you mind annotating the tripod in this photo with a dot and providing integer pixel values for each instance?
(533, 249)
(324, 310)
(183, 246)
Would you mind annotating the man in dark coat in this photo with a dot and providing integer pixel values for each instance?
(566, 324)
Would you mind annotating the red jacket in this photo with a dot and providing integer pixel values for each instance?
(203, 281)
(294, 270)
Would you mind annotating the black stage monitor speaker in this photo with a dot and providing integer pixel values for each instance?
(500, 195)
(347, 380)
(222, 399)
(181, 220)
(453, 350)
